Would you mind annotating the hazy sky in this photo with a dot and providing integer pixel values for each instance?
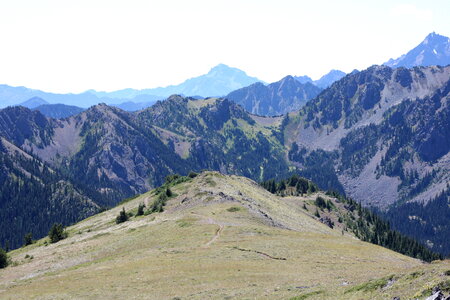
(75, 45)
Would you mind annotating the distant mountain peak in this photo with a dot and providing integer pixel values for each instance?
(433, 50)
(288, 77)
(324, 81)
(435, 38)
(34, 102)
(224, 70)
(221, 67)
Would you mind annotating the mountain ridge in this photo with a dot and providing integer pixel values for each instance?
(276, 98)
(324, 81)
(260, 244)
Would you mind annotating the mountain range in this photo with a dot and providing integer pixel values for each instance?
(378, 135)
(219, 81)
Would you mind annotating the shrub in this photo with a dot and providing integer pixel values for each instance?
(192, 174)
(3, 259)
(28, 239)
(233, 209)
(320, 202)
(140, 210)
(57, 233)
(122, 217)
(317, 213)
(171, 178)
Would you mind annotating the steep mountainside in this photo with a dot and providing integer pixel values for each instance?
(58, 111)
(121, 154)
(217, 236)
(383, 124)
(434, 50)
(276, 98)
(33, 196)
(384, 132)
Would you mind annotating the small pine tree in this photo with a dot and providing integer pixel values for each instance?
(28, 239)
(192, 174)
(304, 206)
(122, 217)
(169, 193)
(320, 202)
(140, 210)
(57, 233)
(317, 213)
(3, 259)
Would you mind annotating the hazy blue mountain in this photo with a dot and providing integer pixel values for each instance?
(58, 111)
(277, 98)
(219, 81)
(304, 79)
(33, 102)
(133, 106)
(434, 50)
(10, 95)
(329, 78)
(324, 81)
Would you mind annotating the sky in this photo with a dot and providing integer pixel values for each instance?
(75, 45)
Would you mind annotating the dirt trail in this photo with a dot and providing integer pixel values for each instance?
(216, 236)
(219, 230)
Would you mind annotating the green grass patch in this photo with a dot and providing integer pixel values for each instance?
(416, 274)
(234, 209)
(445, 286)
(210, 182)
(99, 235)
(370, 286)
(307, 295)
(183, 223)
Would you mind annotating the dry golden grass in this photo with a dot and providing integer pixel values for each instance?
(265, 247)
